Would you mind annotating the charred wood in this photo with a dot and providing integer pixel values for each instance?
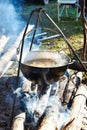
(75, 121)
(49, 121)
(68, 85)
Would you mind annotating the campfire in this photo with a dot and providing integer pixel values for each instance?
(62, 106)
(43, 95)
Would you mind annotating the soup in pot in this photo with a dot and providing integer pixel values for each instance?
(42, 63)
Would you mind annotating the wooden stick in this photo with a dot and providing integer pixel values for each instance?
(84, 25)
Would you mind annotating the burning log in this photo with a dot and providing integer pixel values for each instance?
(78, 112)
(68, 84)
(42, 104)
(18, 123)
(49, 121)
(72, 86)
(72, 82)
(46, 111)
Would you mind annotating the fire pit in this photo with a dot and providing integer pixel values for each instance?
(43, 109)
(43, 68)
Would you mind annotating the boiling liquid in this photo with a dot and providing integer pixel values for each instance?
(42, 63)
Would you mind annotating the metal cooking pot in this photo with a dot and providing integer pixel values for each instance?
(50, 73)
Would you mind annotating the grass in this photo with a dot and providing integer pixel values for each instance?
(69, 26)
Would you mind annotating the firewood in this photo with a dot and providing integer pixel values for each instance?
(6, 68)
(3, 41)
(42, 104)
(10, 52)
(50, 121)
(68, 84)
(18, 123)
(62, 84)
(72, 86)
(77, 110)
(52, 110)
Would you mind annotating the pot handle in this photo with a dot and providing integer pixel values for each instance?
(76, 65)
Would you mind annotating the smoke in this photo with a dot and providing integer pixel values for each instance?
(9, 22)
(12, 24)
(37, 104)
(63, 116)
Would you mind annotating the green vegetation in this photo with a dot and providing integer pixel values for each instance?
(69, 26)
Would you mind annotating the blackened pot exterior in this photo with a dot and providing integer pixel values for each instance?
(49, 74)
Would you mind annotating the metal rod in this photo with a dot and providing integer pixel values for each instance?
(14, 98)
(21, 52)
(38, 10)
(22, 45)
(50, 37)
(37, 35)
(65, 39)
